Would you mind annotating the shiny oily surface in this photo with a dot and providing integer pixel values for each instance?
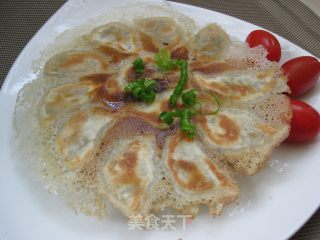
(203, 223)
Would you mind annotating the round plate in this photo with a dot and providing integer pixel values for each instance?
(272, 204)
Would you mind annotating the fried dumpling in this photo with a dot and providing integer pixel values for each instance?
(80, 134)
(129, 173)
(69, 97)
(116, 35)
(80, 62)
(244, 137)
(197, 178)
(160, 32)
(210, 44)
(115, 40)
(243, 85)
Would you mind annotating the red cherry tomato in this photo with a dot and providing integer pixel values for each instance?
(305, 122)
(266, 39)
(302, 74)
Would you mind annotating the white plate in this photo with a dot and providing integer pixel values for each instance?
(273, 204)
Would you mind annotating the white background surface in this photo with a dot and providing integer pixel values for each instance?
(272, 204)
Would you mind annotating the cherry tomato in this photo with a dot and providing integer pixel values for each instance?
(302, 73)
(305, 122)
(266, 39)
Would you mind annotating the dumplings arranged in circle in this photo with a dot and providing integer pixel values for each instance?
(98, 146)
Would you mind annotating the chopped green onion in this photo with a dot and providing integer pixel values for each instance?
(183, 64)
(214, 96)
(143, 89)
(167, 117)
(186, 126)
(189, 98)
(138, 66)
(185, 116)
(164, 61)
